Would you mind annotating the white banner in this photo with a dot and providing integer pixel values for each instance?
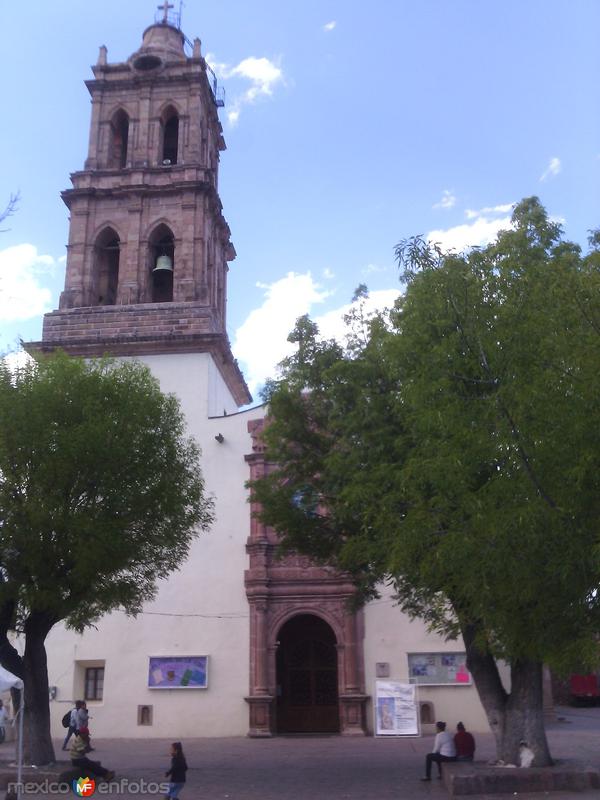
(396, 709)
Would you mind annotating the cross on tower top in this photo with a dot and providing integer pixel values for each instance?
(165, 7)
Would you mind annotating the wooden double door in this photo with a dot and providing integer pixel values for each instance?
(307, 677)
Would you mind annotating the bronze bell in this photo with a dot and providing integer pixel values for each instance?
(163, 264)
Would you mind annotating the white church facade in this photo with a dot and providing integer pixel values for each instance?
(237, 642)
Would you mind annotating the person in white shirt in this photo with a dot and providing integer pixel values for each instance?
(444, 749)
(3, 721)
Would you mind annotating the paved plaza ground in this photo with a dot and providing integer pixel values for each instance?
(323, 768)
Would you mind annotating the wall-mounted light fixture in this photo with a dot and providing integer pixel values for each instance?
(220, 438)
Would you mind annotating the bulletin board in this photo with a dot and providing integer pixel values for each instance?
(439, 669)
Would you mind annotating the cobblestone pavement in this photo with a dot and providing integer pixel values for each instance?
(322, 768)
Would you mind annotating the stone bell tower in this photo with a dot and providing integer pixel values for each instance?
(148, 251)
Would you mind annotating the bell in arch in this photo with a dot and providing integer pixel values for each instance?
(164, 263)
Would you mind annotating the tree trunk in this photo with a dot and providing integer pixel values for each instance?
(524, 715)
(488, 683)
(38, 747)
(516, 717)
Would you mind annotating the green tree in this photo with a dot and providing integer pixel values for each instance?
(453, 447)
(100, 496)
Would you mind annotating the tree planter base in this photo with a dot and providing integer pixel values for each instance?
(479, 779)
(51, 774)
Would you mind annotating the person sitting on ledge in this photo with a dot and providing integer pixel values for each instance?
(443, 750)
(464, 743)
(80, 761)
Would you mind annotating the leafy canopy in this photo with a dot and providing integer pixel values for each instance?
(453, 445)
(100, 491)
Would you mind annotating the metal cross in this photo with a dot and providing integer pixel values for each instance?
(165, 7)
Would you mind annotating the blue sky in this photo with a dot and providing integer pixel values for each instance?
(349, 126)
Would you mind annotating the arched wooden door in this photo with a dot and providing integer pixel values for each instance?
(307, 677)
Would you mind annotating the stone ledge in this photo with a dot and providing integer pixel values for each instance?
(477, 779)
(50, 773)
(58, 777)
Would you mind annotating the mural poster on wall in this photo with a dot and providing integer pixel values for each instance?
(396, 709)
(178, 672)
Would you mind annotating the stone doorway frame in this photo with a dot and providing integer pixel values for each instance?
(279, 589)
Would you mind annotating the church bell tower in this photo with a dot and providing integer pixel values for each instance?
(149, 247)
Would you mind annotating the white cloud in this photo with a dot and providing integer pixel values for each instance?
(371, 268)
(21, 294)
(448, 200)
(483, 228)
(233, 116)
(328, 274)
(476, 234)
(553, 168)
(261, 341)
(17, 359)
(332, 326)
(329, 26)
(501, 209)
(262, 73)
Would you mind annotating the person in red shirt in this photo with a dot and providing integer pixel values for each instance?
(465, 744)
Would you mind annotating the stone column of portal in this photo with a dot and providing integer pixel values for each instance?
(261, 676)
(351, 670)
(260, 701)
(352, 700)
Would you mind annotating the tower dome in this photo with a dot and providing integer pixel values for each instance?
(161, 43)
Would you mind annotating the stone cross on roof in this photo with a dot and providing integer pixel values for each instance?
(165, 7)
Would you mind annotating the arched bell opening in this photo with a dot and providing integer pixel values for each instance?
(106, 268)
(170, 136)
(162, 265)
(307, 677)
(119, 139)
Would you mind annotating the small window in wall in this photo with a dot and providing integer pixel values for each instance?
(170, 139)
(94, 683)
(427, 716)
(144, 716)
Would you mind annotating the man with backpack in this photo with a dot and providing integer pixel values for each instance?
(71, 721)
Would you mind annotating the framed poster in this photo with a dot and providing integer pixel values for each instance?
(439, 669)
(178, 672)
(396, 709)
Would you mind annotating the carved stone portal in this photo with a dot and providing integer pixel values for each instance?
(280, 590)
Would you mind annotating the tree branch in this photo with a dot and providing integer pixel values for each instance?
(504, 411)
(10, 209)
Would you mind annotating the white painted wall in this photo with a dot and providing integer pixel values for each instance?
(389, 637)
(201, 610)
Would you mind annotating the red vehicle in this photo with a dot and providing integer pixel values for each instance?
(584, 688)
